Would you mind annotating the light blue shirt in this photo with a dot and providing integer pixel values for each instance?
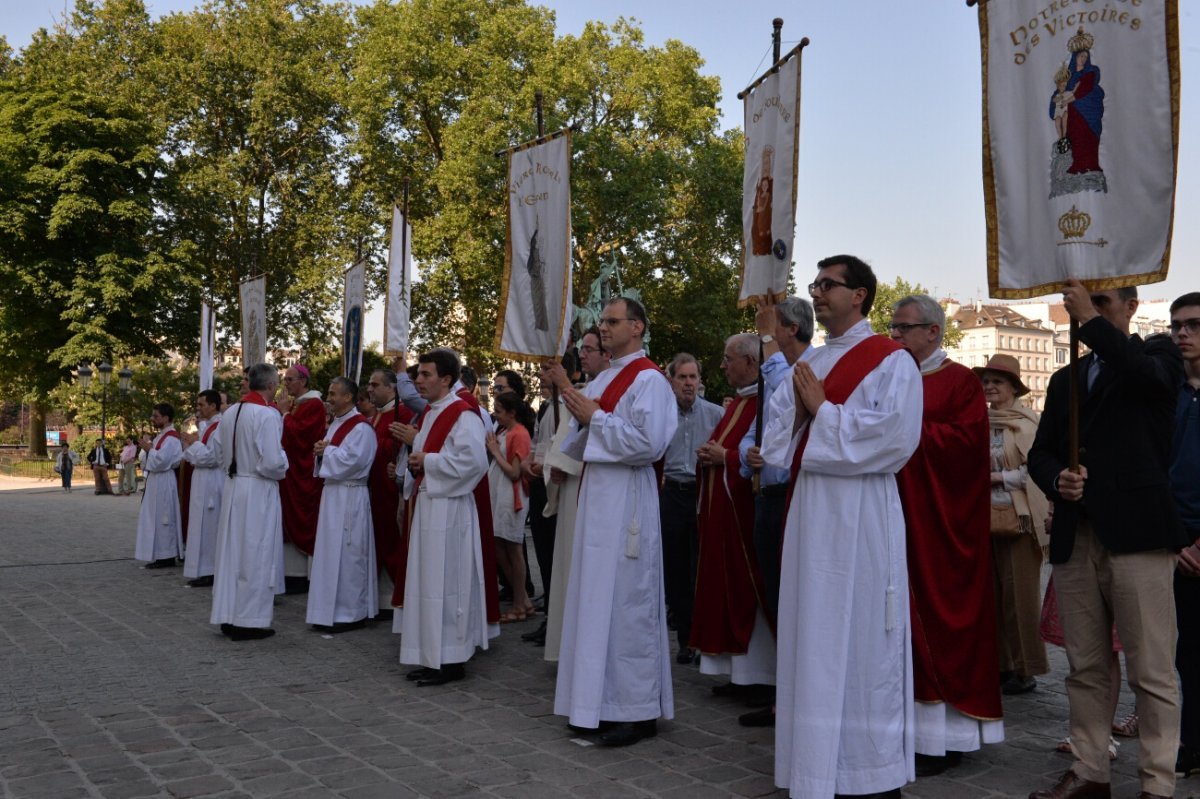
(774, 371)
(695, 426)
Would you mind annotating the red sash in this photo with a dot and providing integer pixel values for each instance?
(620, 384)
(169, 434)
(208, 431)
(254, 398)
(842, 380)
(340, 434)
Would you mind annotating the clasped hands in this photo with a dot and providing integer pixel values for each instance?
(578, 405)
(810, 391)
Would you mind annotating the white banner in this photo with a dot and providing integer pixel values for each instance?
(772, 124)
(1080, 132)
(352, 321)
(208, 333)
(535, 302)
(254, 321)
(397, 308)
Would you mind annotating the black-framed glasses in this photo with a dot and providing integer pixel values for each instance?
(1192, 326)
(824, 285)
(903, 327)
(613, 321)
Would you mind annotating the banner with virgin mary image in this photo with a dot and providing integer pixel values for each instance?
(1080, 136)
(772, 119)
(535, 302)
(353, 300)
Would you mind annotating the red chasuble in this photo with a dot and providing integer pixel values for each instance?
(946, 492)
(728, 580)
(385, 494)
(300, 490)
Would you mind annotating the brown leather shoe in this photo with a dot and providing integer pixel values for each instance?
(1148, 795)
(1072, 786)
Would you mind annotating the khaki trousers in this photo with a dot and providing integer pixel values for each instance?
(1017, 569)
(1095, 589)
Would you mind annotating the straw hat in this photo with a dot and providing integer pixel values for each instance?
(1008, 366)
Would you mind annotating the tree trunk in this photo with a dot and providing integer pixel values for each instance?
(37, 429)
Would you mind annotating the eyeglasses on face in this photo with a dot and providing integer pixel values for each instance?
(824, 285)
(613, 321)
(902, 328)
(1192, 326)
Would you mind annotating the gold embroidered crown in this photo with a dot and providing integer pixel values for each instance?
(1081, 41)
(1074, 223)
(1063, 74)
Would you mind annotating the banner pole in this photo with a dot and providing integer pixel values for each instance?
(1073, 401)
(404, 261)
(776, 38)
(541, 131)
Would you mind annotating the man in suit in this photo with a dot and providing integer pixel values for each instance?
(1114, 537)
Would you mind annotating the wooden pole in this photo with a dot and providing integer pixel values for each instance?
(404, 259)
(541, 131)
(776, 38)
(1073, 402)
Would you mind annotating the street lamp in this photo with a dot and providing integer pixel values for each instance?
(105, 370)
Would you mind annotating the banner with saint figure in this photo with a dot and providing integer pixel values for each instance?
(535, 301)
(1080, 138)
(352, 320)
(772, 124)
(397, 306)
(254, 320)
(208, 335)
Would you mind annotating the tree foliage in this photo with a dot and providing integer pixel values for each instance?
(888, 294)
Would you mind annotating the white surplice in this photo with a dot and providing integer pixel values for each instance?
(614, 664)
(204, 501)
(561, 499)
(844, 700)
(343, 584)
(444, 617)
(756, 667)
(159, 534)
(249, 569)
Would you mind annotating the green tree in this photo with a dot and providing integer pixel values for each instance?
(888, 294)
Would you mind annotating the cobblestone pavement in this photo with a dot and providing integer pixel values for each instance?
(112, 684)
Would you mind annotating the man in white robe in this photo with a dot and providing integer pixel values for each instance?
(562, 492)
(614, 666)
(159, 536)
(444, 617)
(844, 721)
(343, 592)
(249, 568)
(202, 450)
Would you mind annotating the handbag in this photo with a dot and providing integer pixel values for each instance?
(1004, 521)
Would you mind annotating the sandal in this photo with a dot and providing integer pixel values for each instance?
(1126, 727)
(1065, 746)
(513, 616)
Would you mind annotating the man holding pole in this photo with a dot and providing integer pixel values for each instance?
(1114, 537)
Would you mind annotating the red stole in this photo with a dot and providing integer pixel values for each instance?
(616, 389)
(945, 489)
(208, 431)
(169, 434)
(728, 580)
(385, 495)
(340, 434)
(300, 489)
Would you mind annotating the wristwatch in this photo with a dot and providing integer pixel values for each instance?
(767, 339)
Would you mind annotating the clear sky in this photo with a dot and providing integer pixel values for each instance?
(890, 163)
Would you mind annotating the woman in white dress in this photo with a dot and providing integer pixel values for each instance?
(509, 446)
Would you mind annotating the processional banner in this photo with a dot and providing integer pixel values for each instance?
(208, 334)
(1080, 137)
(253, 294)
(397, 316)
(535, 302)
(772, 124)
(352, 320)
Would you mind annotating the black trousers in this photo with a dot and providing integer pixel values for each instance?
(770, 511)
(1187, 657)
(680, 545)
(543, 532)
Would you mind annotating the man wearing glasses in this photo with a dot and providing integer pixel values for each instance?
(1185, 485)
(848, 421)
(614, 672)
(946, 492)
(1114, 537)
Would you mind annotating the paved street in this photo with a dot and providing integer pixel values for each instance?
(112, 684)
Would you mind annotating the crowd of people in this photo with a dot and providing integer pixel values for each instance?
(853, 541)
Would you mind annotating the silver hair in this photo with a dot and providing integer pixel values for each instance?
(797, 311)
(932, 312)
(679, 360)
(389, 377)
(262, 376)
(744, 344)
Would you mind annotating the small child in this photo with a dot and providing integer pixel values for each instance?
(1061, 99)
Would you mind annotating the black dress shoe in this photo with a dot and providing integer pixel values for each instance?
(161, 563)
(1188, 762)
(201, 582)
(758, 718)
(249, 633)
(685, 655)
(1018, 685)
(419, 674)
(932, 765)
(384, 614)
(892, 794)
(540, 632)
(227, 629)
(450, 672)
(604, 727)
(759, 696)
(729, 689)
(295, 585)
(624, 733)
(347, 626)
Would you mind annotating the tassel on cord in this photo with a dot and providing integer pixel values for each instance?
(633, 539)
(892, 612)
